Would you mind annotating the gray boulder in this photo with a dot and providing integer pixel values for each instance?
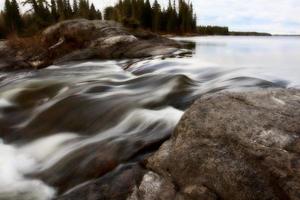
(231, 146)
(81, 39)
(104, 40)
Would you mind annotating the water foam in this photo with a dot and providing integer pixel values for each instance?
(17, 162)
(14, 165)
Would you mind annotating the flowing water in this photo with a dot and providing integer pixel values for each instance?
(64, 125)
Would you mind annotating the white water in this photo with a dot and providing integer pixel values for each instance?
(14, 164)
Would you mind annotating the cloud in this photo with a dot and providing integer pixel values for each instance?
(276, 16)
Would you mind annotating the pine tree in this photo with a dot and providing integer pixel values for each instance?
(99, 15)
(16, 16)
(147, 15)
(61, 10)
(83, 8)
(2, 25)
(8, 15)
(54, 10)
(12, 17)
(156, 16)
(75, 8)
(68, 9)
(171, 15)
(108, 13)
(92, 12)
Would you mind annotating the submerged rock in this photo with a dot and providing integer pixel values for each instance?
(231, 146)
(116, 185)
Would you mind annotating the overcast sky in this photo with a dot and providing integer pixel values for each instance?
(274, 16)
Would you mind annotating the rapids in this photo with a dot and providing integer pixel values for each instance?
(67, 124)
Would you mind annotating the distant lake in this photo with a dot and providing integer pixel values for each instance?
(270, 58)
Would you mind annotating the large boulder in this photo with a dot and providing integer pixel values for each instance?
(83, 30)
(231, 146)
(81, 39)
(105, 40)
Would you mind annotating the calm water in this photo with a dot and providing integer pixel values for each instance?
(68, 124)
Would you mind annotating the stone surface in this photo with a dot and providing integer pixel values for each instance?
(106, 39)
(154, 187)
(116, 185)
(234, 146)
(82, 39)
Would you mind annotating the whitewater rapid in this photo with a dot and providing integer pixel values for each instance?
(65, 125)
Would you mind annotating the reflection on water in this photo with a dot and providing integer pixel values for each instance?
(268, 58)
(68, 124)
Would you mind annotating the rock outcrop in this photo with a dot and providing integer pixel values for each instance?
(80, 39)
(231, 146)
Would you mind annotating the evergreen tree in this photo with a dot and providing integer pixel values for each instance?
(108, 13)
(75, 8)
(54, 10)
(156, 21)
(16, 16)
(2, 25)
(61, 10)
(92, 12)
(83, 8)
(179, 18)
(146, 19)
(8, 15)
(99, 15)
(12, 17)
(68, 9)
(171, 15)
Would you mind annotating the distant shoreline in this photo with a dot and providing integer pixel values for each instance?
(285, 35)
(244, 34)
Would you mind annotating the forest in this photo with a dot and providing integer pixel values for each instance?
(177, 17)
(42, 14)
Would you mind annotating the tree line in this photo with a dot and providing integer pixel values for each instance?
(42, 14)
(176, 18)
(223, 30)
(213, 30)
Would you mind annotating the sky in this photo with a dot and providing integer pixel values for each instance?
(273, 16)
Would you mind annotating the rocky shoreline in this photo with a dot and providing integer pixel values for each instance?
(231, 146)
(82, 39)
(228, 145)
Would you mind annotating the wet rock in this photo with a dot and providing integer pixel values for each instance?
(237, 146)
(116, 185)
(78, 55)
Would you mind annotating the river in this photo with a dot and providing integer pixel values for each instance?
(67, 124)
